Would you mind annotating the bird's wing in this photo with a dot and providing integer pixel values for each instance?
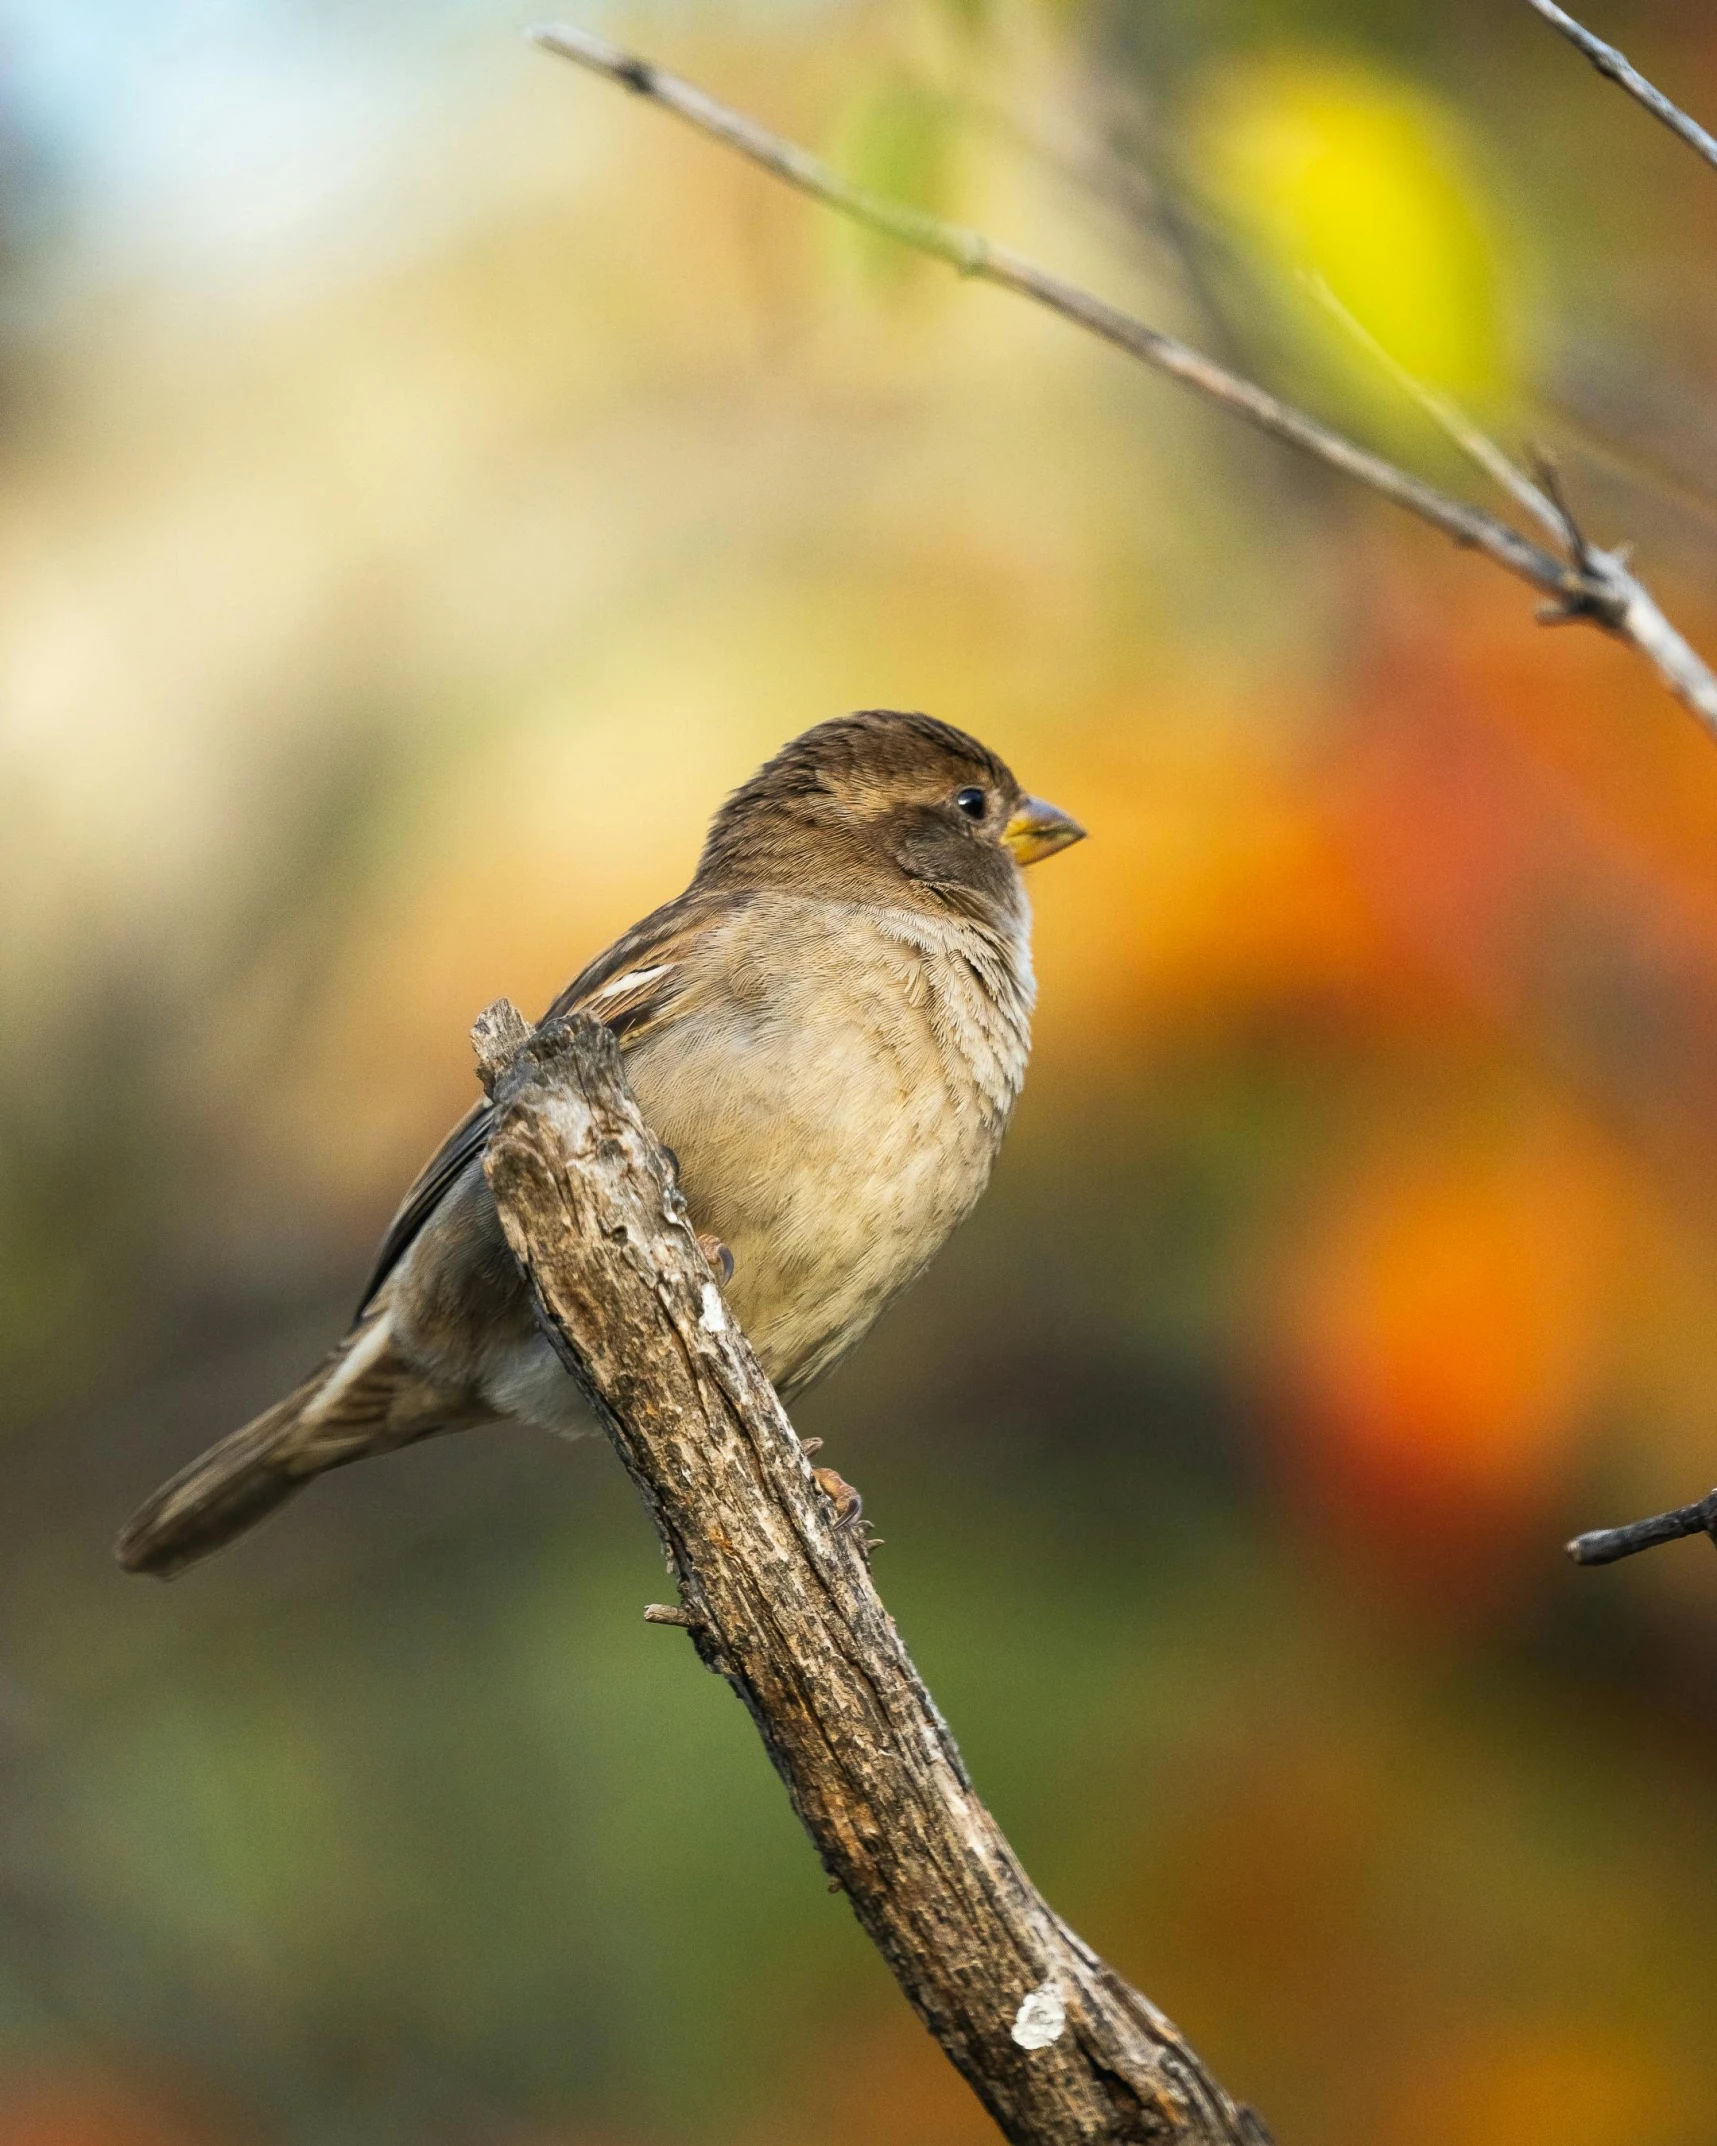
(428, 1189)
(641, 981)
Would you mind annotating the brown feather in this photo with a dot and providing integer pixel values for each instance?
(258, 1467)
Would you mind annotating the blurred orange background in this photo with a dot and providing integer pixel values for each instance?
(433, 480)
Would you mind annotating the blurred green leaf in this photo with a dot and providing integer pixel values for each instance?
(899, 139)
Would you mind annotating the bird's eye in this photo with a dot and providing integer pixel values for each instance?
(973, 803)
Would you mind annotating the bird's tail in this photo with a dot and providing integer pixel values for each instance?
(363, 1399)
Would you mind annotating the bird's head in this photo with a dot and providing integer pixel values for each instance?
(876, 799)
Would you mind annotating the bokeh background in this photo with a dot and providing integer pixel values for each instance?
(430, 480)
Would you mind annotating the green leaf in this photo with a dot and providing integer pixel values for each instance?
(898, 139)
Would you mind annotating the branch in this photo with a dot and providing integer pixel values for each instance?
(1448, 416)
(1635, 616)
(1594, 586)
(1608, 61)
(780, 1602)
(1604, 1545)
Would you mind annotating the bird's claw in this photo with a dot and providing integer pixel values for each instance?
(848, 1505)
(847, 1502)
(718, 1255)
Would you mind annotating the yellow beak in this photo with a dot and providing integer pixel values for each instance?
(1039, 830)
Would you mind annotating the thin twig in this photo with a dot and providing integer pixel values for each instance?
(983, 259)
(1448, 416)
(1634, 468)
(1581, 550)
(1602, 1546)
(1608, 61)
(1598, 589)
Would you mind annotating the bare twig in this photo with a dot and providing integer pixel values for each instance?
(1637, 469)
(1602, 1546)
(1597, 588)
(1449, 418)
(1608, 61)
(1581, 550)
(779, 1601)
(1544, 499)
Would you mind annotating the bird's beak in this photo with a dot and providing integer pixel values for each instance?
(1039, 830)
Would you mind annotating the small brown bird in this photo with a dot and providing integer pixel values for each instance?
(828, 1029)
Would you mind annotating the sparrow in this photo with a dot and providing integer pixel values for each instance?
(827, 1030)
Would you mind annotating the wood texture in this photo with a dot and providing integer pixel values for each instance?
(783, 1607)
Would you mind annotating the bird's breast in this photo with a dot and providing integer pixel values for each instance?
(836, 1115)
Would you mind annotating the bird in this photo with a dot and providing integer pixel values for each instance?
(827, 1030)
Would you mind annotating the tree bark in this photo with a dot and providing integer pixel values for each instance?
(1057, 2046)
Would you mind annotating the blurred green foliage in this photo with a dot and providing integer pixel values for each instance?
(899, 139)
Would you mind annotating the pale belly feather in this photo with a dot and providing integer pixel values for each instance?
(832, 1135)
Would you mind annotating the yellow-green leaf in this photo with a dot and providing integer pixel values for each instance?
(1341, 171)
(896, 138)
